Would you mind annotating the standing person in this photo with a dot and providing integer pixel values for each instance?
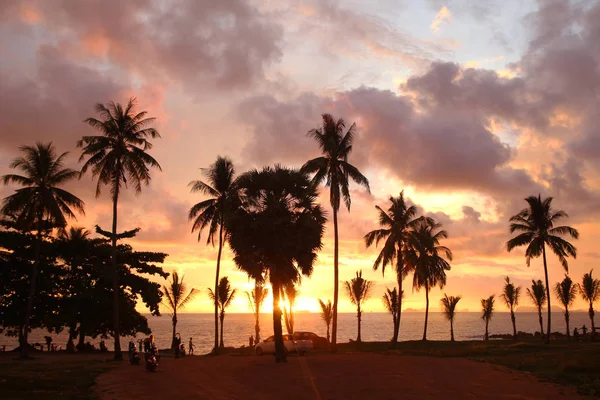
(251, 341)
(177, 344)
(191, 347)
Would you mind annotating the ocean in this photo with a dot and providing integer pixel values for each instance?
(375, 327)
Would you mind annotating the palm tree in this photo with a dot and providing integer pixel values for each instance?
(487, 306)
(39, 204)
(326, 314)
(449, 308)
(590, 292)
(276, 232)
(566, 292)
(423, 257)
(537, 294)
(256, 298)
(510, 296)
(537, 224)
(359, 290)
(334, 169)
(117, 158)
(289, 293)
(175, 293)
(224, 297)
(392, 302)
(396, 224)
(211, 213)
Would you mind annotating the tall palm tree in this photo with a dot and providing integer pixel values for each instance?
(487, 306)
(537, 294)
(175, 293)
(537, 227)
(396, 224)
(224, 297)
(426, 258)
(118, 157)
(256, 298)
(39, 204)
(220, 186)
(359, 290)
(566, 292)
(334, 169)
(393, 303)
(510, 296)
(326, 314)
(289, 293)
(276, 232)
(590, 292)
(449, 309)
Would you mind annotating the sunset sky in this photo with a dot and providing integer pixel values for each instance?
(467, 106)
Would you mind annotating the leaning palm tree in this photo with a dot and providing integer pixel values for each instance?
(359, 290)
(276, 232)
(175, 293)
(117, 158)
(210, 214)
(449, 309)
(326, 314)
(510, 296)
(256, 298)
(424, 257)
(289, 293)
(334, 169)
(537, 294)
(396, 224)
(537, 227)
(39, 204)
(224, 297)
(566, 292)
(487, 306)
(590, 292)
(393, 303)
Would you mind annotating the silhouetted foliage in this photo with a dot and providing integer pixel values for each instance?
(256, 298)
(590, 292)
(537, 294)
(289, 293)
(393, 303)
(224, 296)
(537, 229)
(326, 314)
(359, 290)
(487, 307)
(449, 309)
(334, 169)
(510, 296)
(566, 292)
(176, 298)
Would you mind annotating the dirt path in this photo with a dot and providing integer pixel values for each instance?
(321, 377)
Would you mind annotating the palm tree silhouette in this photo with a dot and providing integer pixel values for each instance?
(290, 293)
(276, 232)
(326, 314)
(487, 306)
(224, 297)
(334, 169)
(39, 205)
(256, 298)
(117, 158)
(211, 213)
(396, 224)
(423, 257)
(448, 308)
(175, 293)
(392, 303)
(359, 290)
(536, 225)
(566, 292)
(590, 292)
(537, 294)
(510, 295)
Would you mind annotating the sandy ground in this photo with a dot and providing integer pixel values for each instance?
(348, 376)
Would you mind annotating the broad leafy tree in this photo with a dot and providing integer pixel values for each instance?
(358, 290)
(510, 296)
(537, 228)
(566, 292)
(590, 292)
(39, 204)
(210, 214)
(256, 298)
(487, 308)
(223, 297)
(333, 168)
(537, 294)
(448, 304)
(177, 297)
(118, 158)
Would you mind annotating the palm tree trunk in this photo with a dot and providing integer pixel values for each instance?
(514, 322)
(257, 325)
(277, 328)
(24, 345)
(222, 345)
(327, 333)
(174, 320)
(567, 322)
(81, 337)
(397, 320)
(115, 271)
(216, 348)
(591, 313)
(487, 335)
(541, 320)
(451, 330)
(547, 294)
(358, 315)
(426, 311)
(335, 280)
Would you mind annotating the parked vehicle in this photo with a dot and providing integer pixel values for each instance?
(299, 346)
(318, 342)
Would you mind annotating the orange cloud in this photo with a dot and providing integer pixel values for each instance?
(29, 14)
(442, 16)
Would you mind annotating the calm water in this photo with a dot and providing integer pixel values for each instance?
(375, 327)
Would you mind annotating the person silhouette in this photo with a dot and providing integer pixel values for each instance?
(576, 334)
(191, 348)
(177, 344)
(251, 341)
(584, 330)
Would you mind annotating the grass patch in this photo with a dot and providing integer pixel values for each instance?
(51, 376)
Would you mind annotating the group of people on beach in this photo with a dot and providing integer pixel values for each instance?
(180, 347)
(584, 331)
